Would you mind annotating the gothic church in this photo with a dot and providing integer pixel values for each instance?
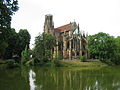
(71, 42)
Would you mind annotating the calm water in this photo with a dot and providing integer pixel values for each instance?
(107, 78)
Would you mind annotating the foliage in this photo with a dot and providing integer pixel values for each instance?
(117, 41)
(55, 62)
(30, 62)
(39, 62)
(3, 46)
(12, 44)
(11, 63)
(83, 58)
(101, 46)
(116, 58)
(104, 47)
(25, 56)
(15, 44)
(24, 40)
(44, 44)
(7, 9)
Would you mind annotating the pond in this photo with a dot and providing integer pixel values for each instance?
(36, 78)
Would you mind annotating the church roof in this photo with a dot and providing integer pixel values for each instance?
(63, 28)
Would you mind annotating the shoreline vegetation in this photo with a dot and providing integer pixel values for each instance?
(60, 63)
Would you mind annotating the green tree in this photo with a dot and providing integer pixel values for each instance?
(24, 40)
(117, 41)
(101, 46)
(16, 43)
(7, 9)
(44, 43)
(116, 58)
(12, 43)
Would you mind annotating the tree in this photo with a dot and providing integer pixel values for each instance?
(12, 44)
(101, 46)
(7, 9)
(24, 40)
(44, 43)
(116, 58)
(16, 43)
(117, 41)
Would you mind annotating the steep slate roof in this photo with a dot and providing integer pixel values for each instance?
(63, 28)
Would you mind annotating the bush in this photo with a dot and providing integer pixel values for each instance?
(38, 62)
(30, 62)
(116, 59)
(57, 63)
(11, 63)
(83, 59)
(25, 56)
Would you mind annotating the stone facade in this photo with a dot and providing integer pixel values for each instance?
(71, 42)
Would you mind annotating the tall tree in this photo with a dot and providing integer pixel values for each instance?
(24, 40)
(7, 9)
(12, 44)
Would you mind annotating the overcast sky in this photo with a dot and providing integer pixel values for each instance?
(93, 16)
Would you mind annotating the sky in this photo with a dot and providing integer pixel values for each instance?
(93, 16)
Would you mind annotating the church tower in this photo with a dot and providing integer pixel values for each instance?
(49, 25)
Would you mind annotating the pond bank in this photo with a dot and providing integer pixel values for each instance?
(78, 63)
(61, 63)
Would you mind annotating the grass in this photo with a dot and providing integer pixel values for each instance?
(77, 63)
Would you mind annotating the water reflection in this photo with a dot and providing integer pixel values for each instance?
(32, 77)
(64, 79)
(60, 79)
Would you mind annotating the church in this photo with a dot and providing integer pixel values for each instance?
(71, 43)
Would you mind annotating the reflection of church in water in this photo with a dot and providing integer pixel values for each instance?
(71, 42)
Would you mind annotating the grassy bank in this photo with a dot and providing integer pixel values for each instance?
(77, 63)
(61, 63)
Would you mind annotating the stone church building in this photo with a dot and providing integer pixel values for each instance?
(71, 42)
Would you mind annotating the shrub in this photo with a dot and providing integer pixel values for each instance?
(39, 61)
(83, 58)
(57, 63)
(11, 63)
(116, 59)
(30, 62)
(25, 56)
